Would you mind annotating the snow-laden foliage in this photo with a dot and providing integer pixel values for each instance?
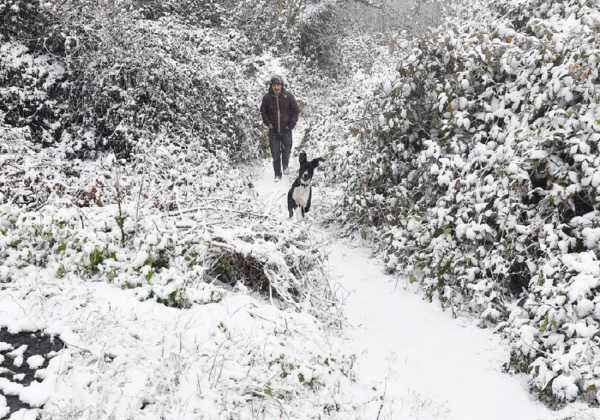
(25, 20)
(176, 261)
(319, 34)
(171, 202)
(125, 245)
(475, 167)
(104, 75)
(125, 224)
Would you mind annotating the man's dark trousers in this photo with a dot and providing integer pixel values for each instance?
(281, 147)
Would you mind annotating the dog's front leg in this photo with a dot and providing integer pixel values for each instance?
(291, 204)
(308, 201)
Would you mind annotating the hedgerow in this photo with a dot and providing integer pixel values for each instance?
(101, 76)
(475, 168)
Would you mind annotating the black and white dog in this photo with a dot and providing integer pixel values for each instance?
(300, 193)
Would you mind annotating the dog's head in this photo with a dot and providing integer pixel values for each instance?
(307, 168)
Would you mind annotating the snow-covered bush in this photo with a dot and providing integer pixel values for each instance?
(178, 80)
(24, 20)
(475, 167)
(27, 98)
(233, 359)
(206, 342)
(102, 76)
(177, 263)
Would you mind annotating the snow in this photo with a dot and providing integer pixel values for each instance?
(10, 388)
(35, 361)
(528, 334)
(18, 352)
(212, 359)
(591, 237)
(24, 414)
(4, 410)
(584, 307)
(565, 386)
(5, 346)
(37, 393)
(538, 154)
(419, 355)
(584, 262)
(582, 285)
(230, 350)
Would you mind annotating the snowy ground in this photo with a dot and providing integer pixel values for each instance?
(426, 364)
(129, 356)
(422, 363)
(128, 359)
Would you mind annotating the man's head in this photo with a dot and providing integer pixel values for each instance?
(276, 84)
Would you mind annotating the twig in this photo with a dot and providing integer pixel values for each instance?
(137, 207)
(382, 399)
(196, 209)
(120, 218)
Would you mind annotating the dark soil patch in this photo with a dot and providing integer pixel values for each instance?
(37, 343)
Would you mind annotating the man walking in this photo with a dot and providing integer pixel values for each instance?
(279, 112)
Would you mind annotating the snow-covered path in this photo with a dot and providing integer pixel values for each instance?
(425, 364)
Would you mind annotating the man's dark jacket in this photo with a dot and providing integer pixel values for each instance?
(279, 111)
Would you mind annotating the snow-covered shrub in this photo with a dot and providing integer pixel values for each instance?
(269, 25)
(202, 346)
(200, 12)
(175, 266)
(130, 77)
(28, 98)
(24, 20)
(160, 80)
(474, 166)
(233, 359)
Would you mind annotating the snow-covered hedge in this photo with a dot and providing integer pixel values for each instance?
(476, 169)
(100, 76)
(26, 20)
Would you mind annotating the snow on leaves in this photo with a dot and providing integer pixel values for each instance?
(475, 167)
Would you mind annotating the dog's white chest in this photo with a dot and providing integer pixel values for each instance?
(300, 195)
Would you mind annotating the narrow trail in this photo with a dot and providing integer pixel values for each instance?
(422, 363)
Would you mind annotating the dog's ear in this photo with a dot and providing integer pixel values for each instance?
(302, 159)
(315, 162)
